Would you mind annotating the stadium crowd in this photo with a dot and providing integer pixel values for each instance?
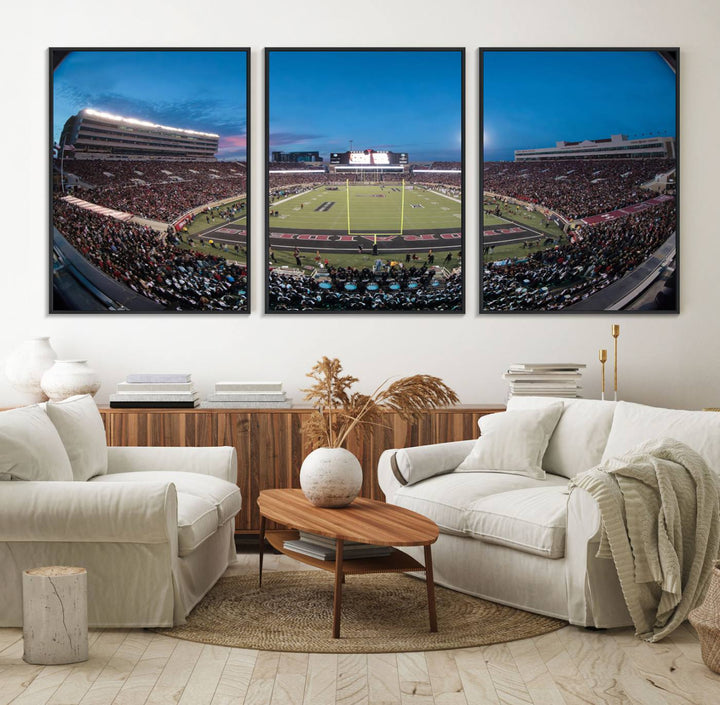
(556, 278)
(391, 288)
(575, 188)
(110, 172)
(314, 179)
(158, 190)
(440, 177)
(311, 180)
(153, 264)
(431, 180)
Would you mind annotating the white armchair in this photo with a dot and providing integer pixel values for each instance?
(154, 532)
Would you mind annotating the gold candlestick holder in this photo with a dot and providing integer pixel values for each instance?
(603, 360)
(615, 330)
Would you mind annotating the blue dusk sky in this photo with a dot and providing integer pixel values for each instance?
(403, 101)
(537, 98)
(192, 90)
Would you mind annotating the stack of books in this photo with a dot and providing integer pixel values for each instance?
(247, 395)
(156, 391)
(323, 548)
(544, 379)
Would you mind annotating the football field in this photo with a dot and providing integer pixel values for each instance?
(362, 208)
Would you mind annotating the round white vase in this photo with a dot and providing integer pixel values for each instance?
(331, 477)
(25, 366)
(66, 378)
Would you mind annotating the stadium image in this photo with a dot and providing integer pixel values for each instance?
(149, 181)
(580, 181)
(378, 228)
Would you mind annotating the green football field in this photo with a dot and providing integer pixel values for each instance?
(489, 219)
(372, 209)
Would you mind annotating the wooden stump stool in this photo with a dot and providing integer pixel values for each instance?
(55, 615)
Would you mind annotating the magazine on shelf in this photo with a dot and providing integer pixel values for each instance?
(158, 377)
(155, 387)
(248, 396)
(544, 374)
(221, 387)
(210, 404)
(544, 366)
(155, 396)
(567, 394)
(141, 404)
(326, 553)
(326, 540)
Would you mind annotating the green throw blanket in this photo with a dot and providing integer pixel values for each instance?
(660, 524)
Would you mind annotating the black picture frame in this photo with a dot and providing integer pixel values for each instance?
(360, 288)
(616, 247)
(109, 263)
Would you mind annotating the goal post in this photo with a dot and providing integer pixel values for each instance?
(347, 200)
(348, 209)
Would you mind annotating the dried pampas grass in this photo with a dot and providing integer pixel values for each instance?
(338, 410)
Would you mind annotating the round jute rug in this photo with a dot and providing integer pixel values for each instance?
(380, 613)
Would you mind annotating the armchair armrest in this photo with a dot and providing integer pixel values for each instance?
(219, 462)
(88, 512)
(406, 466)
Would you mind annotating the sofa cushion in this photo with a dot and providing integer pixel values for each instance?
(197, 521)
(532, 520)
(634, 424)
(81, 429)
(446, 499)
(513, 442)
(223, 495)
(30, 447)
(580, 437)
(421, 462)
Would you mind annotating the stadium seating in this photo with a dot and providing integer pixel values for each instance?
(153, 264)
(157, 189)
(575, 188)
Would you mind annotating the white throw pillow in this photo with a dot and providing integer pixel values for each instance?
(30, 447)
(579, 439)
(80, 426)
(634, 424)
(513, 442)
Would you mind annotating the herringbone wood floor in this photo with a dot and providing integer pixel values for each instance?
(569, 666)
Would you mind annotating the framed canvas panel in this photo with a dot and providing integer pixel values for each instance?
(149, 180)
(364, 201)
(580, 180)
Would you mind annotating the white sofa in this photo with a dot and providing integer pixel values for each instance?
(529, 542)
(154, 527)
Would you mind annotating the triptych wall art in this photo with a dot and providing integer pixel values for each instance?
(364, 181)
(376, 224)
(580, 167)
(149, 180)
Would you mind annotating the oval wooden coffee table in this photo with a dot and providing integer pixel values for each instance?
(366, 521)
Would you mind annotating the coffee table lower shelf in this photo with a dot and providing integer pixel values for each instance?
(396, 562)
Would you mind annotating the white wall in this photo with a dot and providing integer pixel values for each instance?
(668, 360)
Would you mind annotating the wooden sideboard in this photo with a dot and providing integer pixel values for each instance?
(270, 443)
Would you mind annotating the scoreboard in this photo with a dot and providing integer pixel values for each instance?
(369, 157)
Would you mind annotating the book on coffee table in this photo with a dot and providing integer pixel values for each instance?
(326, 541)
(327, 553)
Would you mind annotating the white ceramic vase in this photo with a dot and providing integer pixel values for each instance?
(25, 367)
(66, 378)
(331, 477)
